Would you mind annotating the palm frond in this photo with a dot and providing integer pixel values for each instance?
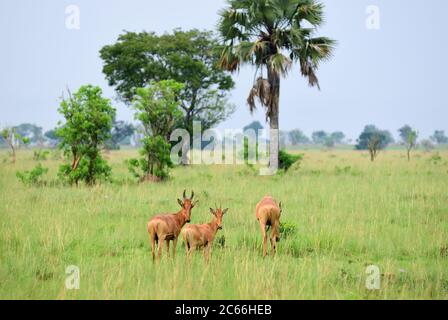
(261, 91)
(280, 64)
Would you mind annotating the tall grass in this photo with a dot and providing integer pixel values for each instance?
(349, 213)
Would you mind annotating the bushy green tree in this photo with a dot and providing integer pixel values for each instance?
(298, 137)
(373, 140)
(88, 120)
(409, 137)
(319, 137)
(30, 131)
(427, 145)
(13, 139)
(188, 57)
(51, 137)
(338, 137)
(157, 108)
(120, 134)
(439, 137)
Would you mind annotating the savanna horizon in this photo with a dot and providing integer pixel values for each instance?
(347, 213)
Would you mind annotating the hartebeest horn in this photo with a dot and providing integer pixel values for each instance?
(192, 195)
(185, 196)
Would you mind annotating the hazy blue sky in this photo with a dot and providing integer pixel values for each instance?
(388, 77)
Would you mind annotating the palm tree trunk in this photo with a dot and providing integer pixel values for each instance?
(274, 81)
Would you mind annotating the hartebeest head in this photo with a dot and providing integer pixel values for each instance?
(218, 213)
(187, 204)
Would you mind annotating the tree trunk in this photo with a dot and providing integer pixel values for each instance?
(274, 81)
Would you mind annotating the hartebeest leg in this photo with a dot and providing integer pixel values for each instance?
(207, 252)
(168, 248)
(174, 247)
(273, 245)
(153, 247)
(159, 253)
(265, 238)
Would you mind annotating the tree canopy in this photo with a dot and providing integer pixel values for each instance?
(88, 121)
(371, 133)
(297, 137)
(188, 57)
(439, 137)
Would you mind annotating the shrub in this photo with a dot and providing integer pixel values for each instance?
(286, 160)
(88, 121)
(155, 160)
(40, 155)
(287, 229)
(221, 241)
(33, 177)
(435, 158)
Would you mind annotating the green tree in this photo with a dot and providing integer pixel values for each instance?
(439, 137)
(120, 134)
(52, 137)
(272, 34)
(338, 137)
(373, 140)
(409, 137)
(427, 145)
(319, 137)
(297, 137)
(329, 142)
(88, 121)
(157, 108)
(13, 140)
(188, 57)
(30, 131)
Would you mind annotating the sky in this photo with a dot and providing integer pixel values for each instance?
(389, 75)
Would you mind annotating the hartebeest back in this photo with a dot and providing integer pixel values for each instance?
(202, 235)
(268, 215)
(167, 227)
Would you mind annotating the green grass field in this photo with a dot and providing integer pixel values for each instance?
(349, 213)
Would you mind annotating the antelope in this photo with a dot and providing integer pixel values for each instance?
(268, 215)
(166, 227)
(202, 235)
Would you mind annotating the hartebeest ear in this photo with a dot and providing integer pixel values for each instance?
(280, 205)
(212, 211)
(225, 210)
(180, 203)
(194, 203)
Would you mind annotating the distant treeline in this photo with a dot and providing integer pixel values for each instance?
(128, 134)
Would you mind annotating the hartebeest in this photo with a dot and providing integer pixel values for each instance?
(167, 227)
(202, 235)
(268, 215)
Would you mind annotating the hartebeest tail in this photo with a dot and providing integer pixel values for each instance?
(268, 215)
(202, 235)
(167, 227)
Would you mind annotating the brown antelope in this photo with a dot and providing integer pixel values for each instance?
(166, 227)
(198, 236)
(268, 215)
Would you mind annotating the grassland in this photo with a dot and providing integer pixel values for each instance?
(349, 213)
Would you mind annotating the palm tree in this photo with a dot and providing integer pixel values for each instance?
(271, 35)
